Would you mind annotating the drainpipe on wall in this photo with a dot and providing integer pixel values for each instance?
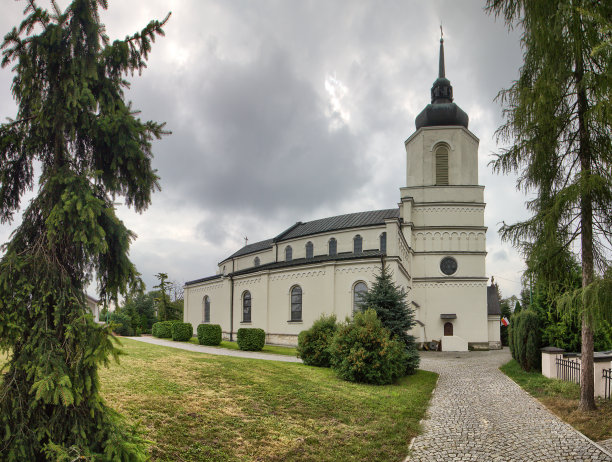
(231, 309)
(232, 303)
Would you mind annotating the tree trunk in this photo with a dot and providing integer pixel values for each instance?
(587, 386)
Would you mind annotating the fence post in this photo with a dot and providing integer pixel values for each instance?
(549, 355)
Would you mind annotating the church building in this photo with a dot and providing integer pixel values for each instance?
(433, 242)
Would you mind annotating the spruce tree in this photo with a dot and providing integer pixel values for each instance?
(89, 146)
(389, 302)
(558, 121)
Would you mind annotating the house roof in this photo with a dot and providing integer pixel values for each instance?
(493, 307)
(323, 225)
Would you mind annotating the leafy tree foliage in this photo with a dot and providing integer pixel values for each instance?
(167, 310)
(558, 119)
(73, 124)
(139, 307)
(389, 303)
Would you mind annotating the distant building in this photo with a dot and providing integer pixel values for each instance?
(433, 242)
(94, 306)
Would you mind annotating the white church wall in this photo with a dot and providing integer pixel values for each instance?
(465, 193)
(428, 265)
(466, 299)
(218, 291)
(438, 240)
(443, 214)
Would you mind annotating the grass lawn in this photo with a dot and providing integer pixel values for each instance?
(277, 350)
(198, 407)
(562, 398)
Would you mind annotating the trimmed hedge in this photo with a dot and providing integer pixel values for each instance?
(182, 331)
(363, 351)
(251, 339)
(313, 344)
(525, 338)
(209, 334)
(162, 329)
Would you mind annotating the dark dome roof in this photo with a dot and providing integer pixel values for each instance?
(436, 114)
(442, 111)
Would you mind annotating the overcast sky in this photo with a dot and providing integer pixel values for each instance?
(285, 111)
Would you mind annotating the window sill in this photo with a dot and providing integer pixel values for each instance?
(246, 322)
(296, 322)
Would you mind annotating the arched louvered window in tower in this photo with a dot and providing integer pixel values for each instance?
(296, 303)
(441, 166)
(383, 242)
(309, 250)
(333, 247)
(288, 253)
(257, 261)
(357, 244)
(246, 306)
(206, 308)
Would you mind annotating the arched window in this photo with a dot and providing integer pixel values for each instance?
(296, 303)
(206, 308)
(442, 165)
(288, 253)
(246, 306)
(309, 249)
(359, 289)
(357, 244)
(383, 242)
(448, 329)
(333, 247)
(256, 262)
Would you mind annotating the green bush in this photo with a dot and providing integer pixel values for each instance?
(525, 336)
(313, 344)
(163, 329)
(121, 324)
(363, 351)
(182, 331)
(209, 334)
(251, 339)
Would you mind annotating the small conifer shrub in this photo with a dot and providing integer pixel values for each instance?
(526, 339)
(209, 334)
(182, 331)
(251, 339)
(313, 344)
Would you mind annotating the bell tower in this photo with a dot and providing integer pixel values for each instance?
(442, 210)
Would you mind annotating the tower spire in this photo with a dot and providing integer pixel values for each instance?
(441, 71)
(442, 111)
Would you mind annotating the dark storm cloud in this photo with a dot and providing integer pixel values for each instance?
(255, 129)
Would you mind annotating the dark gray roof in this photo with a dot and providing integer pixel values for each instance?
(350, 220)
(307, 261)
(209, 278)
(251, 248)
(324, 225)
(493, 307)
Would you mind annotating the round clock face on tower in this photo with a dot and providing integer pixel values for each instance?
(448, 265)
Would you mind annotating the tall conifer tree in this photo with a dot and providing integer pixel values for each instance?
(89, 145)
(389, 302)
(559, 120)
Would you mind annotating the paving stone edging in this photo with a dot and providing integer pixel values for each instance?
(217, 350)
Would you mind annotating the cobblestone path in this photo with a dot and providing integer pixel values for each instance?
(479, 414)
